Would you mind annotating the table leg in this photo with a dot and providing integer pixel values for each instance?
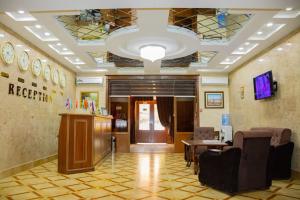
(188, 155)
(195, 161)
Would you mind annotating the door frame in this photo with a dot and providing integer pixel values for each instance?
(155, 136)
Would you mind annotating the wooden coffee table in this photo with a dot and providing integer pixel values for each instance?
(191, 145)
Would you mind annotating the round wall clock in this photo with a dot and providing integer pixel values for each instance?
(36, 67)
(8, 52)
(47, 72)
(55, 76)
(62, 79)
(23, 61)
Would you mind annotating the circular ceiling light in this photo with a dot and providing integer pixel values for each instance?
(152, 52)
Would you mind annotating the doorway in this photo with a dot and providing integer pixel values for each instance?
(148, 127)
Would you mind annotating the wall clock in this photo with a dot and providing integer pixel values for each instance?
(47, 72)
(55, 76)
(62, 79)
(23, 61)
(36, 67)
(8, 53)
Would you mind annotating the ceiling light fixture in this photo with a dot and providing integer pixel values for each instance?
(289, 9)
(19, 45)
(279, 49)
(1, 35)
(269, 24)
(21, 11)
(58, 44)
(38, 26)
(247, 43)
(27, 50)
(261, 60)
(288, 44)
(226, 67)
(259, 33)
(65, 49)
(46, 33)
(241, 48)
(78, 67)
(152, 52)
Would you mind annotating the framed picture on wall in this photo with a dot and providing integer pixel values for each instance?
(90, 96)
(214, 99)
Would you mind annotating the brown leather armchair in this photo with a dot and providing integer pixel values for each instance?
(282, 151)
(242, 167)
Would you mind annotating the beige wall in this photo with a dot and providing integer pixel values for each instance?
(283, 110)
(29, 128)
(212, 117)
(101, 89)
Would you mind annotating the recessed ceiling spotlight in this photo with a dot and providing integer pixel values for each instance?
(21, 11)
(279, 49)
(38, 26)
(1, 35)
(259, 33)
(227, 59)
(27, 50)
(261, 60)
(65, 49)
(288, 44)
(78, 67)
(241, 48)
(289, 9)
(226, 67)
(44, 60)
(269, 24)
(19, 45)
(77, 59)
(46, 33)
(247, 43)
(58, 44)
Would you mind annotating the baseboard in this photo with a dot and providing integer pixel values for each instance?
(26, 166)
(295, 174)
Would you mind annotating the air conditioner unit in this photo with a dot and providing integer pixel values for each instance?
(214, 80)
(89, 80)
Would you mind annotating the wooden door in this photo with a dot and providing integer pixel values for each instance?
(149, 128)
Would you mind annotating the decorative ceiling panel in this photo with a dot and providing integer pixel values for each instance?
(209, 24)
(96, 24)
(203, 57)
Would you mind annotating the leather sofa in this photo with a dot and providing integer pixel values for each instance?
(241, 167)
(282, 150)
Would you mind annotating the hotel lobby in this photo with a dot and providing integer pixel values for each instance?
(146, 99)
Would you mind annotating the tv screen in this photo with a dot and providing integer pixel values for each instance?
(263, 86)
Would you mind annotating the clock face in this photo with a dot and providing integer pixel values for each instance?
(23, 61)
(62, 79)
(47, 72)
(36, 67)
(55, 76)
(8, 53)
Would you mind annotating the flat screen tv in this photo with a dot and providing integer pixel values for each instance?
(263, 86)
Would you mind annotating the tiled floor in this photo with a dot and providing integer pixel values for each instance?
(128, 176)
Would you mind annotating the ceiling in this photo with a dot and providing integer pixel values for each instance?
(199, 36)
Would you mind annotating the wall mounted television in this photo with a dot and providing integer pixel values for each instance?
(264, 86)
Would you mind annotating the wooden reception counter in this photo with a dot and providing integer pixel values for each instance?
(83, 141)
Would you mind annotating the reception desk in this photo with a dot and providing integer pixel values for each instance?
(83, 141)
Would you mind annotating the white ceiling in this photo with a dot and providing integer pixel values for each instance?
(232, 54)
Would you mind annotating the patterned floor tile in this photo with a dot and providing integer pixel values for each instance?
(93, 193)
(146, 176)
(25, 196)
